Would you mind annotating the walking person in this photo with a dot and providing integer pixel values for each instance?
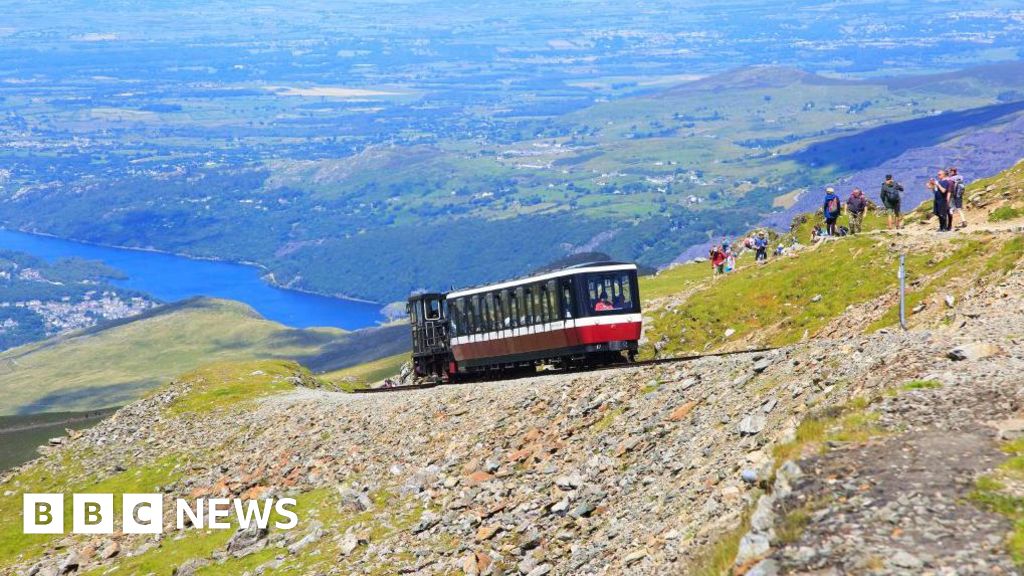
(891, 191)
(940, 200)
(856, 206)
(957, 197)
(761, 247)
(717, 257)
(832, 208)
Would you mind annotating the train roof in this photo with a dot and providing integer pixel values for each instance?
(568, 271)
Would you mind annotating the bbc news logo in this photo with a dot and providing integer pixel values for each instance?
(143, 513)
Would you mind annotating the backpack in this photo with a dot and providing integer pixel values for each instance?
(891, 194)
(958, 191)
(833, 206)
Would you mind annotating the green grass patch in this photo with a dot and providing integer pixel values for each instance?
(794, 521)
(989, 493)
(674, 280)
(718, 558)
(1004, 213)
(851, 422)
(922, 385)
(935, 273)
(69, 477)
(226, 384)
(1005, 259)
(778, 301)
(607, 420)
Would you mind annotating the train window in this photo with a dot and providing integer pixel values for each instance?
(551, 301)
(520, 316)
(488, 312)
(454, 321)
(528, 309)
(609, 292)
(568, 301)
(501, 308)
(513, 309)
(474, 314)
(433, 309)
(540, 300)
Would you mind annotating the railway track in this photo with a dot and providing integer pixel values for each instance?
(657, 361)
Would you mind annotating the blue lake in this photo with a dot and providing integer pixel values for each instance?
(170, 278)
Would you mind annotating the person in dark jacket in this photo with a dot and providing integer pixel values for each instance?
(890, 197)
(856, 206)
(941, 188)
(831, 208)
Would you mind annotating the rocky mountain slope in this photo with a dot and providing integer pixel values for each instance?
(864, 450)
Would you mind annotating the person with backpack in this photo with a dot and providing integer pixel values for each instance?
(717, 257)
(890, 196)
(761, 247)
(957, 197)
(832, 208)
(856, 206)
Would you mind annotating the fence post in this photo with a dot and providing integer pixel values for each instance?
(903, 292)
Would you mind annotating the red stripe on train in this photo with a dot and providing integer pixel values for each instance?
(551, 340)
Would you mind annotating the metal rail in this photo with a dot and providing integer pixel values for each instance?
(639, 364)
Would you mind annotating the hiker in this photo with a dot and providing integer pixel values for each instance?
(890, 196)
(816, 233)
(832, 208)
(761, 247)
(717, 257)
(856, 206)
(780, 250)
(940, 188)
(957, 197)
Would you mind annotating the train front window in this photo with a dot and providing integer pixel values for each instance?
(433, 309)
(610, 291)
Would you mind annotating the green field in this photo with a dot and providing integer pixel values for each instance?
(115, 364)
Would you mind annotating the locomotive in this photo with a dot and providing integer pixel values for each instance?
(578, 316)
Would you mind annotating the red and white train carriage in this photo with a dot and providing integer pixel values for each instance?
(581, 315)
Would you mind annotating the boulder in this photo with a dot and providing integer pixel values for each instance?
(247, 541)
(973, 351)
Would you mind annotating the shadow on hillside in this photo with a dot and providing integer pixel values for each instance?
(349, 350)
(89, 397)
(873, 147)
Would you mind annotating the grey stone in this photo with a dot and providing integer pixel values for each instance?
(427, 521)
(70, 563)
(753, 424)
(973, 351)
(247, 541)
(348, 544)
(766, 567)
(904, 559)
(540, 570)
(189, 568)
(752, 546)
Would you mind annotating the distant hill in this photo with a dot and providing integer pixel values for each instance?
(120, 361)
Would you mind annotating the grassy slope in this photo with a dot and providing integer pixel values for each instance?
(777, 304)
(112, 365)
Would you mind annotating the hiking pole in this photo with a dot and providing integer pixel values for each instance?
(902, 291)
